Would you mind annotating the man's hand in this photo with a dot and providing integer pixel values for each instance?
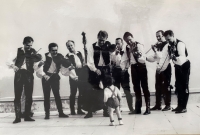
(98, 72)
(15, 68)
(75, 78)
(46, 77)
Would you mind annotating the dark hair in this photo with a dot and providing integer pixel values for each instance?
(161, 31)
(28, 40)
(70, 41)
(109, 80)
(126, 34)
(52, 45)
(169, 32)
(103, 34)
(119, 39)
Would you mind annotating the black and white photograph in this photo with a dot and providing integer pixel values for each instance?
(99, 67)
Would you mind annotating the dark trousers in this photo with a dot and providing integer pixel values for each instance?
(123, 80)
(23, 79)
(94, 80)
(74, 86)
(182, 74)
(162, 86)
(54, 84)
(139, 77)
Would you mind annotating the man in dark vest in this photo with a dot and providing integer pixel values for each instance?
(23, 67)
(51, 79)
(117, 72)
(178, 54)
(134, 57)
(163, 72)
(76, 59)
(98, 62)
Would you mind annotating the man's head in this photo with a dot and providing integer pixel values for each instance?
(169, 36)
(70, 46)
(53, 49)
(102, 37)
(28, 42)
(160, 36)
(128, 38)
(119, 43)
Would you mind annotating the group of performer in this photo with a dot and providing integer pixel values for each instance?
(99, 74)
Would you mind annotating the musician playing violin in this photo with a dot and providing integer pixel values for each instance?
(178, 53)
(163, 72)
(23, 67)
(134, 57)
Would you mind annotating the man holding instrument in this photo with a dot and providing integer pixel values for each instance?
(163, 72)
(98, 62)
(134, 57)
(121, 79)
(23, 67)
(51, 79)
(77, 60)
(178, 53)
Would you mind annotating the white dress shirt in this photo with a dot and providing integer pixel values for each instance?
(125, 60)
(161, 57)
(181, 51)
(90, 58)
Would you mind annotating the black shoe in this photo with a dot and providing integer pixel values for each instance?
(176, 109)
(147, 112)
(166, 108)
(155, 108)
(46, 117)
(31, 114)
(181, 111)
(88, 115)
(28, 119)
(17, 120)
(62, 115)
(135, 112)
(80, 112)
(106, 115)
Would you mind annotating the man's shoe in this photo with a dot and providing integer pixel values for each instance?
(17, 120)
(112, 123)
(147, 112)
(28, 119)
(176, 109)
(155, 108)
(166, 108)
(80, 112)
(62, 115)
(88, 115)
(181, 111)
(135, 112)
(46, 117)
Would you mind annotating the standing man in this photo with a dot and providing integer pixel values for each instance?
(134, 57)
(51, 79)
(76, 59)
(23, 67)
(98, 62)
(163, 72)
(117, 72)
(178, 54)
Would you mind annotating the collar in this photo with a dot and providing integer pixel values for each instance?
(72, 53)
